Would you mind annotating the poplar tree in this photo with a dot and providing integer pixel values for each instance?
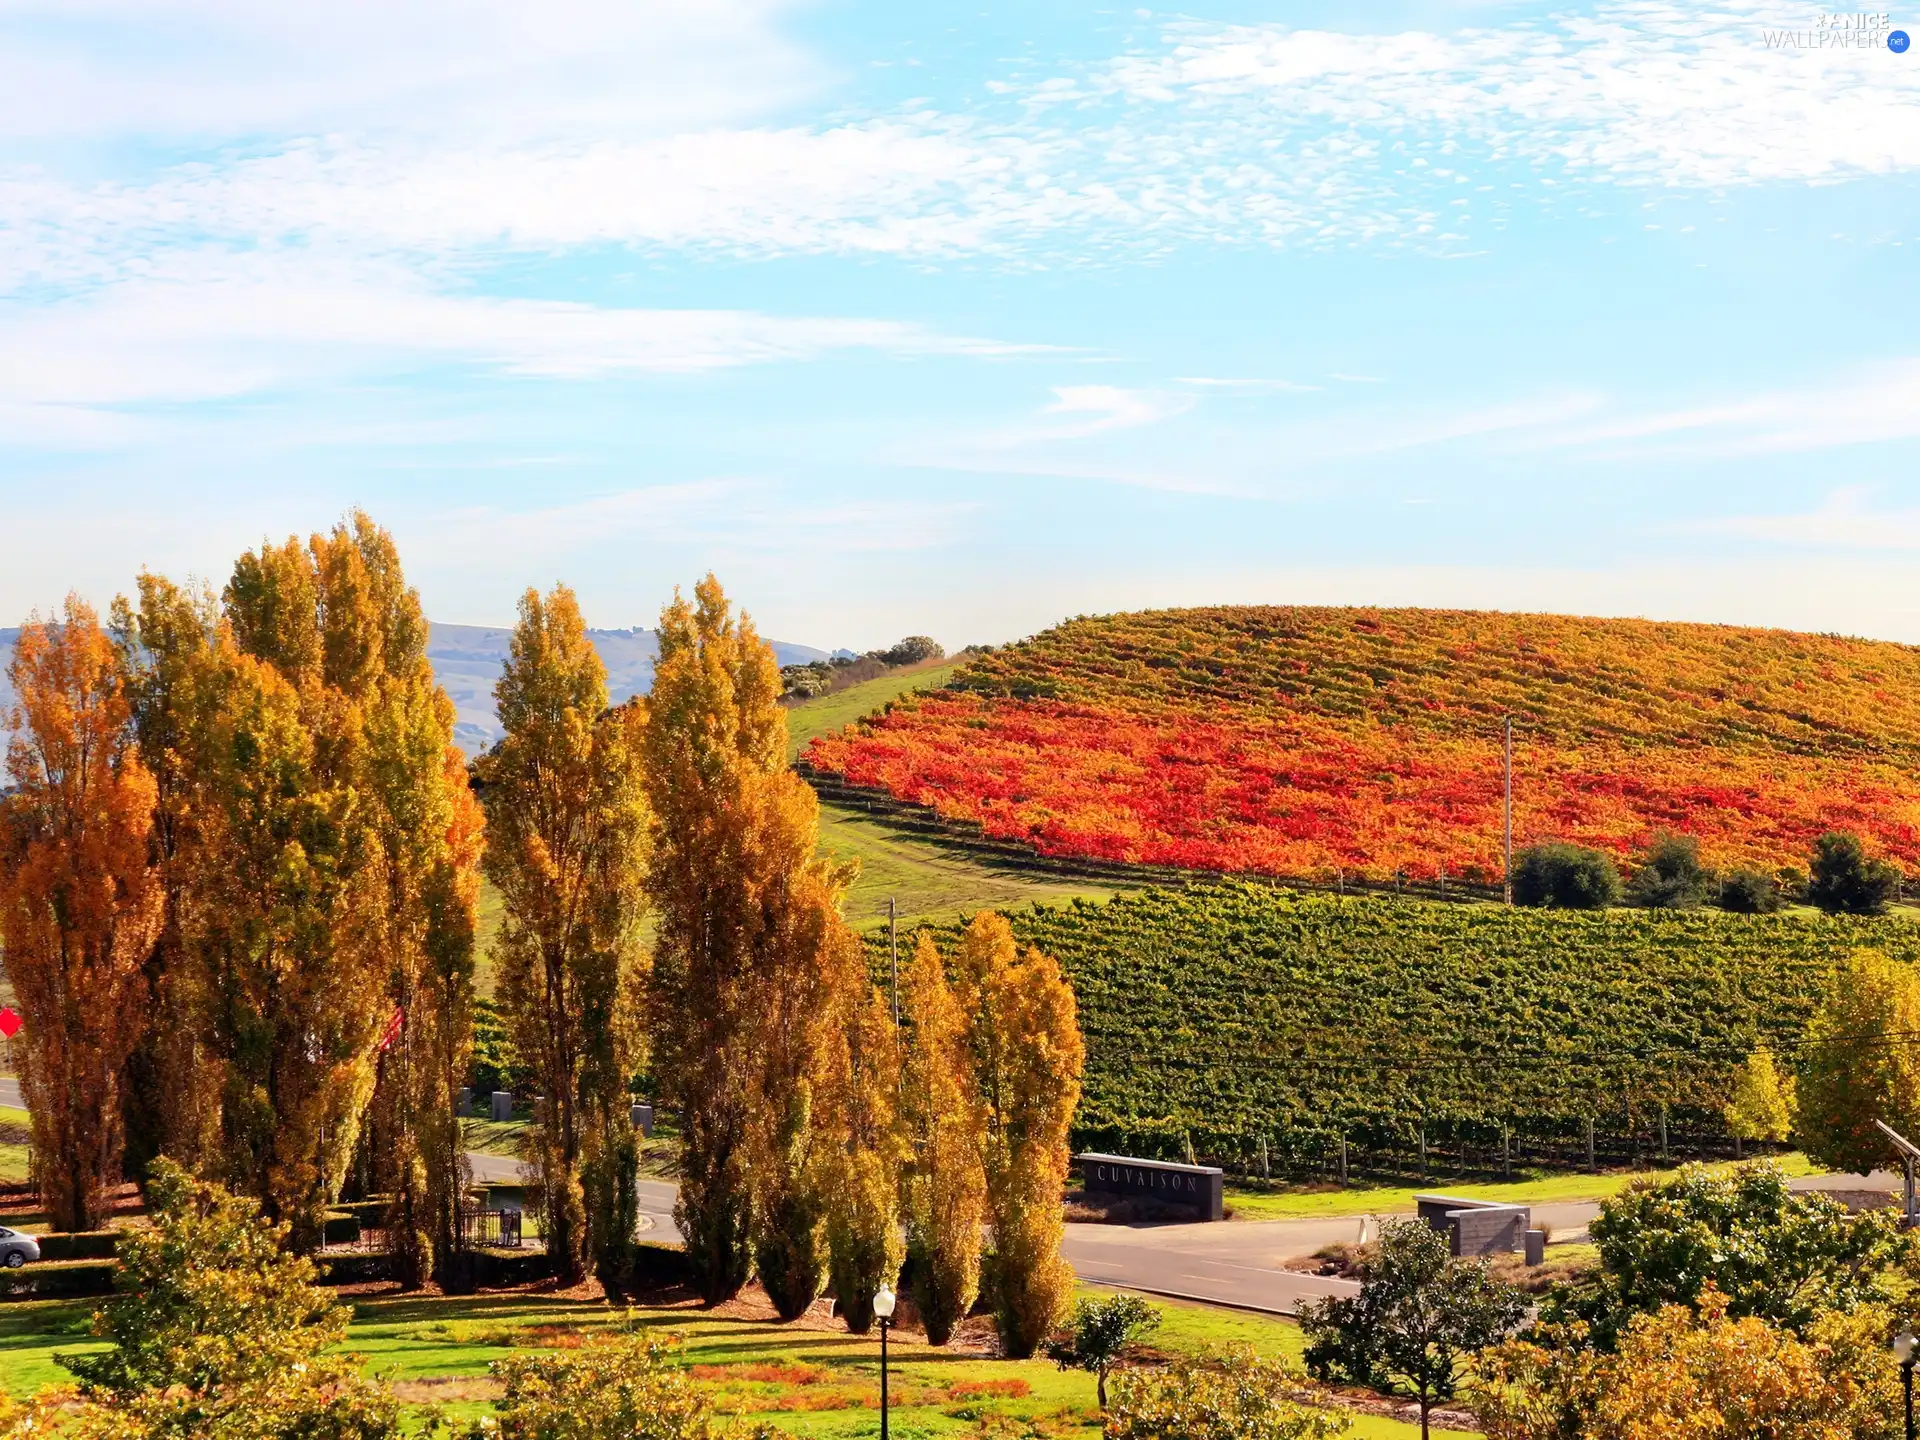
(748, 959)
(566, 848)
(945, 1187)
(1023, 1036)
(864, 1244)
(80, 904)
(169, 647)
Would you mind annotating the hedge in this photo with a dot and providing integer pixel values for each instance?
(80, 1277)
(80, 1245)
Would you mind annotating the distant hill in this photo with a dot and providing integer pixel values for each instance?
(467, 661)
(1314, 742)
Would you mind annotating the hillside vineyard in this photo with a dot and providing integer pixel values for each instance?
(1316, 743)
(1229, 1014)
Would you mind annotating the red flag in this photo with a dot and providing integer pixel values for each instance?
(392, 1032)
(9, 1022)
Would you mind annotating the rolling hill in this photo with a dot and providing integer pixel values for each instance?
(1311, 742)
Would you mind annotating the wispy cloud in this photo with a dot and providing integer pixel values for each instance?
(1108, 407)
(1844, 521)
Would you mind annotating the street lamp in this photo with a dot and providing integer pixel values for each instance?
(883, 1311)
(1904, 1348)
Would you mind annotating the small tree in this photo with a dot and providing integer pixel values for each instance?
(1420, 1317)
(1761, 1106)
(1670, 875)
(1749, 892)
(1099, 1335)
(1845, 881)
(1565, 877)
(1240, 1398)
(1859, 1064)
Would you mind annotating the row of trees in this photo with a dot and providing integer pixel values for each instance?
(237, 903)
(1669, 875)
(238, 850)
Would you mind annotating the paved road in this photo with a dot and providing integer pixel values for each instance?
(656, 1197)
(10, 1092)
(1236, 1262)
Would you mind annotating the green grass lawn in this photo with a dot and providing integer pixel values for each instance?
(808, 1382)
(831, 712)
(1254, 1202)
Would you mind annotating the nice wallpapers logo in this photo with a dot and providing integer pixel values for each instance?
(1862, 30)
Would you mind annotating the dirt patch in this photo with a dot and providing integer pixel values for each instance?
(446, 1390)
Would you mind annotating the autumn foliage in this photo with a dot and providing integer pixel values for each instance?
(80, 903)
(1308, 741)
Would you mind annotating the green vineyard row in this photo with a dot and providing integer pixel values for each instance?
(1227, 1016)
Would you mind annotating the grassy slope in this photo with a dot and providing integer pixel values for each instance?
(928, 881)
(1281, 1202)
(429, 1346)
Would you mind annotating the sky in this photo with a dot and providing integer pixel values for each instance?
(958, 319)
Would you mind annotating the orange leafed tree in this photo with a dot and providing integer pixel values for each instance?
(1024, 1036)
(80, 904)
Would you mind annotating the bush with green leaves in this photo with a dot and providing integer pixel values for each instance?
(1100, 1333)
(1669, 875)
(218, 1333)
(1565, 877)
(616, 1386)
(1776, 1254)
(1421, 1316)
(1749, 892)
(1239, 1398)
(1845, 881)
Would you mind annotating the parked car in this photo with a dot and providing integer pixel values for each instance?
(17, 1249)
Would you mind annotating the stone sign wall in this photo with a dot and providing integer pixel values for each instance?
(1197, 1186)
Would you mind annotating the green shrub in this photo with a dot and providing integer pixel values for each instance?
(1565, 877)
(79, 1245)
(1669, 875)
(1749, 892)
(1239, 1398)
(614, 1387)
(1846, 882)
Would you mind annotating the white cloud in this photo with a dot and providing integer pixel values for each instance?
(1110, 407)
(212, 329)
(226, 69)
(1844, 521)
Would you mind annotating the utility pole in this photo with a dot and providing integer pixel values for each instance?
(893, 957)
(1509, 809)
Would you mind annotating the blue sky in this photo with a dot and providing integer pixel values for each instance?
(960, 318)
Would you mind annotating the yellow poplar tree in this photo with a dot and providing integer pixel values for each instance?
(748, 960)
(567, 826)
(1859, 1064)
(1024, 1039)
(80, 903)
(945, 1188)
(1762, 1103)
(170, 651)
(864, 1161)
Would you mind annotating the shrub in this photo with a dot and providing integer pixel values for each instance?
(1565, 877)
(1670, 876)
(1242, 1398)
(614, 1387)
(1845, 881)
(1770, 1253)
(1749, 892)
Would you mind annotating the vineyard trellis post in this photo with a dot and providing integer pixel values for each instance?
(1343, 1159)
(1506, 1153)
(1590, 1165)
(1507, 787)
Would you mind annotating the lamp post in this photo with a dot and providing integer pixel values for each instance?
(883, 1312)
(1904, 1348)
